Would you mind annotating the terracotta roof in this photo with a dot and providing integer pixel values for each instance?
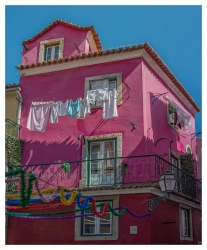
(59, 21)
(145, 46)
(13, 85)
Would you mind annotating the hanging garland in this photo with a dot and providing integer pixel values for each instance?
(31, 216)
(25, 193)
(45, 191)
(51, 198)
(36, 207)
(17, 202)
(95, 211)
(70, 200)
(51, 213)
(117, 214)
(85, 202)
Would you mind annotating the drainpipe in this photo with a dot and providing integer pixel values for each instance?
(81, 138)
(19, 109)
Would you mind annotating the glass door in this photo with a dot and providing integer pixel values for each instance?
(102, 171)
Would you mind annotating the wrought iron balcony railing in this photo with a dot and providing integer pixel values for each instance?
(113, 172)
(11, 128)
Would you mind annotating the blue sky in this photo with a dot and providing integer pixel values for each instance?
(174, 32)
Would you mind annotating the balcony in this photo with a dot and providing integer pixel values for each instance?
(113, 172)
(11, 128)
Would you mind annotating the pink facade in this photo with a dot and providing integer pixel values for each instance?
(70, 36)
(59, 143)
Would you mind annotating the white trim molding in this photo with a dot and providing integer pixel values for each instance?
(59, 41)
(188, 208)
(117, 136)
(115, 223)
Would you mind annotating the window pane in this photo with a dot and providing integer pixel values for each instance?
(112, 84)
(89, 219)
(56, 52)
(99, 84)
(105, 229)
(89, 229)
(109, 152)
(48, 53)
(95, 150)
(106, 218)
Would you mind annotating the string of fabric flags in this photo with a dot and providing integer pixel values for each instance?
(25, 197)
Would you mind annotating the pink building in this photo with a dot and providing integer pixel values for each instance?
(149, 134)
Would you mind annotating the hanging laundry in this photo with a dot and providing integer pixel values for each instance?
(38, 116)
(74, 108)
(181, 114)
(85, 108)
(62, 108)
(110, 106)
(54, 113)
(97, 96)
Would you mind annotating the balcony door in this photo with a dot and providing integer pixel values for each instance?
(102, 172)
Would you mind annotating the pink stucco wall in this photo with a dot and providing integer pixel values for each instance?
(199, 157)
(70, 35)
(59, 142)
(155, 117)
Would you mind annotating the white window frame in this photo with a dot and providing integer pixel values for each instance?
(168, 119)
(46, 43)
(181, 214)
(102, 179)
(117, 76)
(97, 222)
(85, 153)
(52, 51)
(115, 220)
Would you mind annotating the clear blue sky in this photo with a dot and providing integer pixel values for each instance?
(174, 32)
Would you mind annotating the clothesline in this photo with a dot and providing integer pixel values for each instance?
(41, 112)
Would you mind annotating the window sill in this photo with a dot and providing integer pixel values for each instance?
(176, 129)
(91, 237)
(186, 238)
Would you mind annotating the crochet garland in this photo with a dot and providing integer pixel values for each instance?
(49, 215)
(25, 192)
(70, 200)
(51, 198)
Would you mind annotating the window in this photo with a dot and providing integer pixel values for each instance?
(109, 81)
(51, 49)
(177, 117)
(93, 225)
(110, 84)
(172, 117)
(51, 52)
(186, 232)
(188, 149)
(102, 172)
(185, 222)
(93, 228)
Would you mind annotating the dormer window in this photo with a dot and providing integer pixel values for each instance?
(51, 49)
(51, 52)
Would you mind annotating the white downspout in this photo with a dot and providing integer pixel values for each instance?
(19, 109)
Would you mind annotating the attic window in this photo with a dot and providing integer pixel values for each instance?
(51, 49)
(177, 117)
(51, 52)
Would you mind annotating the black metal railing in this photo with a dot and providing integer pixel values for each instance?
(11, 128)
(113, 172)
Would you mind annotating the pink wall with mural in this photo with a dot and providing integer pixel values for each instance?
(70, 35)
